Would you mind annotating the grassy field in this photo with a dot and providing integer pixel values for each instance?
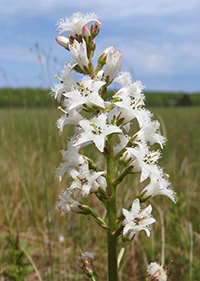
(29, 189)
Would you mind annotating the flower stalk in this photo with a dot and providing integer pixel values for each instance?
(105, 124)
(111, 213)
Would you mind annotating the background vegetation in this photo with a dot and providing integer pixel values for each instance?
(41, 98)
(32, 230)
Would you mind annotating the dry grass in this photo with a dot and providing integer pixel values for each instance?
(29, 152)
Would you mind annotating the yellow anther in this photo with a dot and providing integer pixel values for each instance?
(75, 46)
(95, 129)
(61, 109)
(79, 13)
(56, 76)
(93, 125)
(167, 176)
(83, 87)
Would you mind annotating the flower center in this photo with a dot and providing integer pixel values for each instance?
(84, 181)
(84, 92)
(97, 129)
(149, 159)
(138, 220)
(136, 105)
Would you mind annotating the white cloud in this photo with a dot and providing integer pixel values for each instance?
(113, 9)
(152, 58)
(172, 46)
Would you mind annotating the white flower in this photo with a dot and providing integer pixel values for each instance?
(150, 132)
(96, 131)
(76, 22)
(131, 90)
(79, 53)
(72, 159)
(140, 159)
(67, 203)
(159, 185)
(137, 219)
(113, 62)
(130, 101)
(88, 255)
(66, 81)
(156, 272)
(130, 109)
(84, 180)
(124, 78)
(73, 117)
(86, 94)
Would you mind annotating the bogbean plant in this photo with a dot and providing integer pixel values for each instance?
(106, 123)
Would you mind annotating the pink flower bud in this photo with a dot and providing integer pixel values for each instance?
(95, 28)
(71, 37)
(86, 32)
(92, 45)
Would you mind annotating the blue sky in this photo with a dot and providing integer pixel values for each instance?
(159, 39)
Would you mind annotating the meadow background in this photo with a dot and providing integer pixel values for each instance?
(160, 46)
(38, 243)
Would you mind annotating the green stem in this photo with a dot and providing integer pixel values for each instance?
(92, 165)
(121, 177)
(93, 278)
(98, 219)
(111, 212)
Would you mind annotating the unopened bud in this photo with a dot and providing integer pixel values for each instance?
(125, 159)
(103, 56)
(71, 37)
(95, 28)
(92, 45)
(86, 33)
(63, 41)
(85, 262)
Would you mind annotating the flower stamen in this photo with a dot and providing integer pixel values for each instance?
(83, 89)
(56, 76)
(139, 100)
(149, 159)
(61, 109)
(97, 130)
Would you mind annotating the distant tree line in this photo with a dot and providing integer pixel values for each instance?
(27, 97)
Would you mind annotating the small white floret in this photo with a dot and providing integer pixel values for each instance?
(137, 219)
